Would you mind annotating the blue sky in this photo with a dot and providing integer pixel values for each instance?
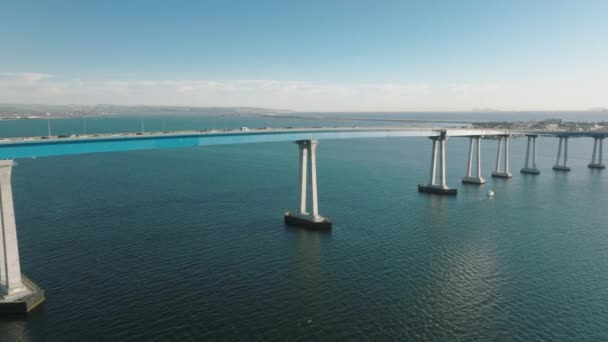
(308, 55)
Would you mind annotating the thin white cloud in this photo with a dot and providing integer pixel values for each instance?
(38, 87)
(34, 87)
(23, 77)
(473, 87)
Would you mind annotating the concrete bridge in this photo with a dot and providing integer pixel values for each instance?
(18, 294)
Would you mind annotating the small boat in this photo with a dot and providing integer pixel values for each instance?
(490, 193)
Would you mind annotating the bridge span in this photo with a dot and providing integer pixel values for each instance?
(31, 147)
(18, 294)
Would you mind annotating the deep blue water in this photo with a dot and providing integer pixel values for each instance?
(189, 244)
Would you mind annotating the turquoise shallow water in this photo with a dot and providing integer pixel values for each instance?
(188, 244)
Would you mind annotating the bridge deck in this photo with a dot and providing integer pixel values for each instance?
(15, 148)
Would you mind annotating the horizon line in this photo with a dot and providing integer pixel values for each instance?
(591, 109)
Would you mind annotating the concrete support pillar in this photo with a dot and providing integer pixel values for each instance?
(433, 187)
(479, 158)
(437, 144)
(534, 152)
(528, 152)
(506, 154)
(559, 151)
(308, 150)
(565, 150)
(432, 173)
(596, 158)
(303, 176)
(563, 142)
(313, 176)
(504, 173)
(601, 152)
(469, 178)
(2, 261)
(442, 146)
(594, 150)
(531, 145)
(498, 155)
(12, 286)
(470, 161)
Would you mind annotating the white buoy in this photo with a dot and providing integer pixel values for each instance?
(490, 193)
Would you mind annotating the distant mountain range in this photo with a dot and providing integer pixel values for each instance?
(8, 110)
(13, 111)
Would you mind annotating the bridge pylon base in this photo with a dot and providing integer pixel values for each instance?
(596, 166)
(561, 168)
(530, 171)
(502, 175)
(436, 189)
(307, 221)
(473, 180)
(23, 302)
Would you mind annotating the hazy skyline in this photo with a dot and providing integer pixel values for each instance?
(312, 56)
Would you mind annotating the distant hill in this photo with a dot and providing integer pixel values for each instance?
(35, 110)
(598, 109)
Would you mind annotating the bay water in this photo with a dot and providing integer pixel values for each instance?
(189, 244)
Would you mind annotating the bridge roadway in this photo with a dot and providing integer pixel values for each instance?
(18, 294)
(14, 148)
